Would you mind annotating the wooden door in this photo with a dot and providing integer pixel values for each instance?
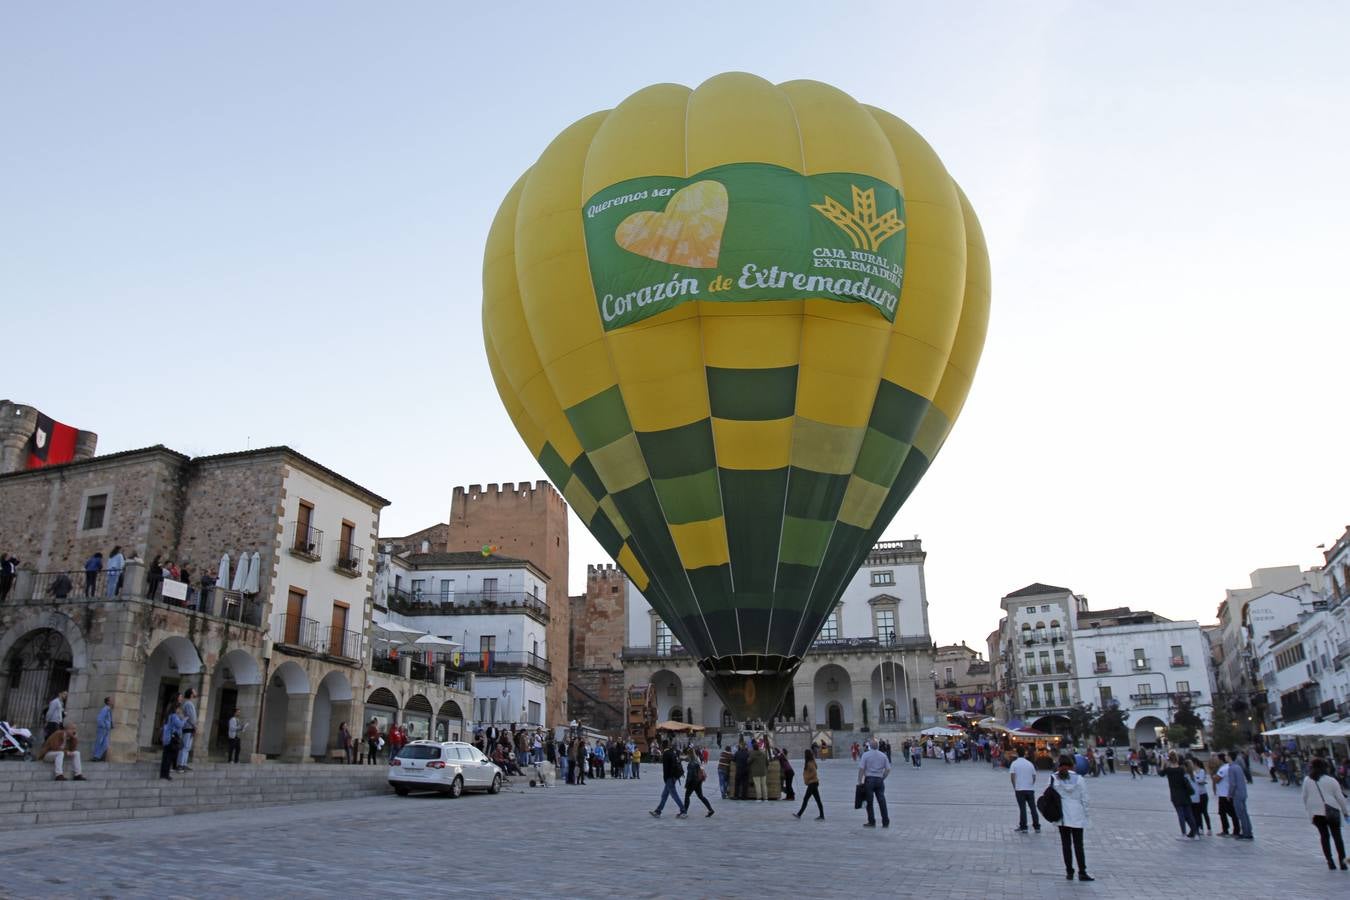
(338, 633)
(302, 525)
(295, 609)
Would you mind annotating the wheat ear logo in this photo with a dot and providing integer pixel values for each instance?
(864, 227)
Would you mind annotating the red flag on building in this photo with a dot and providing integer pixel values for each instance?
(51, 443)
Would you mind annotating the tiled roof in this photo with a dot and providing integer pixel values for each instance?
(1034, 590)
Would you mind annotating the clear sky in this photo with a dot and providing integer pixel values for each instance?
(242, 224)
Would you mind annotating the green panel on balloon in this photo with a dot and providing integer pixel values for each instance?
(752, 394)
(897, 412)
(679, 451)
(690, 498)
(600, 420)
(754, 523)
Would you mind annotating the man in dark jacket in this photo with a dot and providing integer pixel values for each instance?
(670, 773)
(742, 759)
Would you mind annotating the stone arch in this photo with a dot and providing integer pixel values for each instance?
(173, 666)
(890, 692)
(236, 683)
(332, 707)
(382, 697)
(669, 688)
(449, 724)
(417, 717)
(676, 714)
(383, 706)
(832, 684)
(1145, 733)
(37, 667)
(285, 730)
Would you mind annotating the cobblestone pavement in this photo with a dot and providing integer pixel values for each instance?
(951, 836)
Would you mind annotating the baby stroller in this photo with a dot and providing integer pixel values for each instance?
(15, 741)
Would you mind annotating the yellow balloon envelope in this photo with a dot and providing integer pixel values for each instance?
(735, 324)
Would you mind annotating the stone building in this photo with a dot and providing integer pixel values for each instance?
(526, 522)
(595, 686)
(869, 670)
(432, 539)
(964, 680)
(283, 637)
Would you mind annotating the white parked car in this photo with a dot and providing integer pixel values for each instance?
(451, 767)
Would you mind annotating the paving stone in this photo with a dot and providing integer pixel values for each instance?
(951, 836)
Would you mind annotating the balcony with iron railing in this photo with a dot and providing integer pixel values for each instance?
(304, 541)
(200, 597)
(1140, 664)
(1101, 668)
(301, 633)
(349, 560)
(424, 602)
(1177, 662)
(500, 662)
(342, 643)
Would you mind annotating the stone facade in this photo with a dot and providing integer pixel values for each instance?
(527, 522)
(599, 623)
(125, 640)
(432, 539)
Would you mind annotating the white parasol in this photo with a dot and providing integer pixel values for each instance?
(430, 640)
(396, 629)
(254, 572)
(240, 572)
(223, 574)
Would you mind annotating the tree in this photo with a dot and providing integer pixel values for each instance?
(1224, 734)
(1110, 726)
(1185, 725)
(1081, 718)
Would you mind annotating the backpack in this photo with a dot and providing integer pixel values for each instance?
(1049, 804)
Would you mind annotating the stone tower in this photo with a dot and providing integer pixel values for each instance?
(16, 428)
(526, 522)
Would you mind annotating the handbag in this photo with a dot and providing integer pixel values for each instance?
(1332, 813)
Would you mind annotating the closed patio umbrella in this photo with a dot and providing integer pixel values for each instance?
(223, 573)
(254, 567)
(240, 573)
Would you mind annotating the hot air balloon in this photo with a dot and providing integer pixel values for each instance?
(735, 324)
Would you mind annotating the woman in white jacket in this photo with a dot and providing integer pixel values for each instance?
(1072, 791)
(1321, 794)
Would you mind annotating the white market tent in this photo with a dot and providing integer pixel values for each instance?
(1309, 728)
(941, 731)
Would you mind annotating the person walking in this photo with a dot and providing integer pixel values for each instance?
(103, 731)
(915, 753)
(670, 774)
(873, 767)
(345, 742)
(1072, 790)
(171, 736)
(1237, 793)
(1324, 802)
(786, 772)
(189, 713)
(693, 781)
(1111, 760)
(759, 772)
(1179, 788)
(811, 778)
(1199, 793)
(1133, 757)
(1022, 774)
(372, 741)
(233, 729)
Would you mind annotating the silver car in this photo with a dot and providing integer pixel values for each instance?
(450, 767)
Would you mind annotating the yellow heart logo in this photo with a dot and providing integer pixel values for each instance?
(687, 233)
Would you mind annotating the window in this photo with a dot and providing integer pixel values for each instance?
(949, 675)
(1026, 633)
(447, 588)
(1178, 658)
(487, 642)
(1040, 631)
(418, 586)
(1031, 663)
(534, 713)
(1060, 666)
(1183, 687)
(95, 511)
(1035, 693)
(1045, 662)
(345, 535)
(1064, 694)
(304, 523)
(1099, 663)
(883, 578)
(883, 619)
(1045, 608)
(830, 630)
(1145, 694)
(1140, 660)
(489, 586)
(728, 720)
(535, 649)
(1105, 693)
(663, 640)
